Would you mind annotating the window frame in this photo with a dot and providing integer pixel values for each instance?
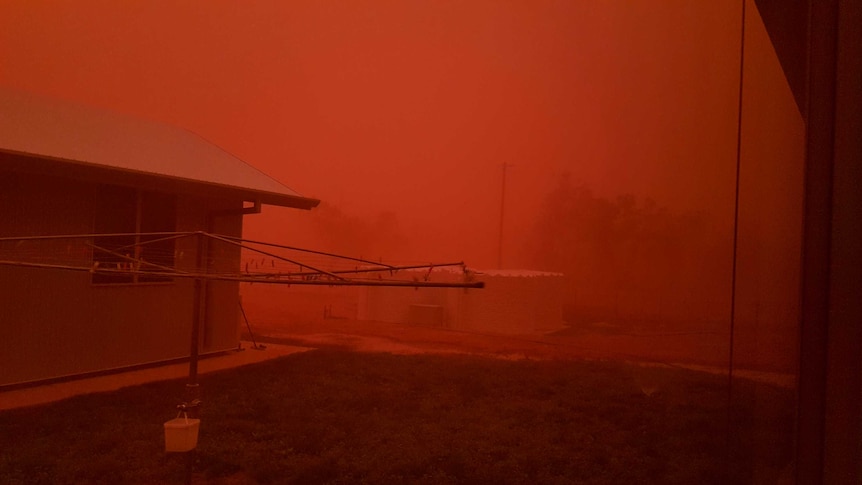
(136, 239)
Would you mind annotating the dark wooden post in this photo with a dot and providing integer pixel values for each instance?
(193, 393)
(192, 389)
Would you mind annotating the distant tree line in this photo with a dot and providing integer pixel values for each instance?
(627, 258)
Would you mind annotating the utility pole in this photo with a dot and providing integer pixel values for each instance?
(506, 166)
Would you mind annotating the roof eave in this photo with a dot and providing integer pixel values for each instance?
(48, 165)
(282, 200)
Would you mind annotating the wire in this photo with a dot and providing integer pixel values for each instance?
(78, 252)
(735, 233)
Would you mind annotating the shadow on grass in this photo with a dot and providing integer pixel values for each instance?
(332, 416)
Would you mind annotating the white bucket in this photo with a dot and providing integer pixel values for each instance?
(181, 434)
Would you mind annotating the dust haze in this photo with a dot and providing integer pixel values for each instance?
(618, 123)
(615, 125)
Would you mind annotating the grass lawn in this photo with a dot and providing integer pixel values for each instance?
(330, 416)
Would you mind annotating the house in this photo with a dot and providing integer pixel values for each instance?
(66, 169)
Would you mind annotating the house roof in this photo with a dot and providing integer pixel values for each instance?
(89, 137)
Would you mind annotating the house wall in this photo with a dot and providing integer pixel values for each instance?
(56, 323)
(221, 328)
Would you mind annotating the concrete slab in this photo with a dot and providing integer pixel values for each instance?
(33, 396)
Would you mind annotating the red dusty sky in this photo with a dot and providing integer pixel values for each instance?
(412, 107)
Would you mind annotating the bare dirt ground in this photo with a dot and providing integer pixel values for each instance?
(706, 351)
(296, 316)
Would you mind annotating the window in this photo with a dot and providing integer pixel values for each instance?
(129, 216)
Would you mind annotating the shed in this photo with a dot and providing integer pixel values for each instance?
(72, 169)
(512, 302)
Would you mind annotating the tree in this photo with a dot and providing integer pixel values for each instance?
(628, 258)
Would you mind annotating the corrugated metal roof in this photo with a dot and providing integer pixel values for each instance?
(33, 125)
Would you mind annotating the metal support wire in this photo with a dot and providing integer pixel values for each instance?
(254, 345)
(312, 251)
(249, 279)
(733, 271)
(137, 261)
(287, 260)
(333, 278)
(391, 269)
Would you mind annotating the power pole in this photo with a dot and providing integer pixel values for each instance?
(506, 166)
